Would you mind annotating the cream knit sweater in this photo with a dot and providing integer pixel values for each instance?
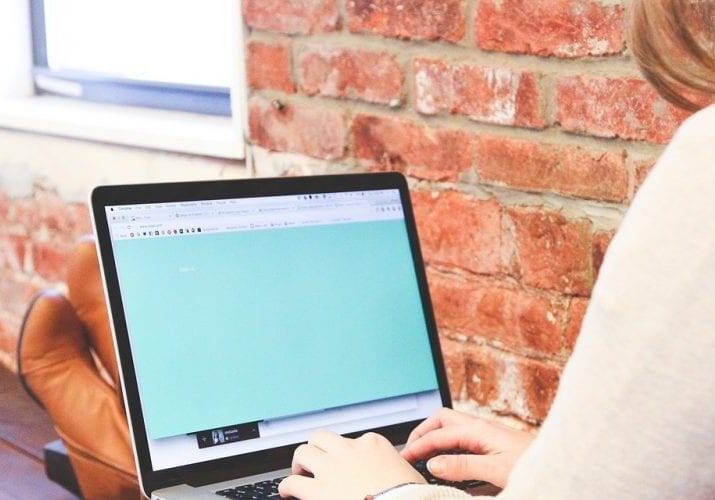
(634, 417)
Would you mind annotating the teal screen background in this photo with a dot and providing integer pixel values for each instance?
(228, 328)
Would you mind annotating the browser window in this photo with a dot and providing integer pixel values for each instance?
(255, 321)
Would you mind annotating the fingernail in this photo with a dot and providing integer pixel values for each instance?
(435, 466)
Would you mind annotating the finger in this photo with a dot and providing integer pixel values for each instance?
(443, 418)
(429, 424)
(328, 441)
(298, 487)
(308, 458)
(464, 467)
(374, 439)
(445, 439)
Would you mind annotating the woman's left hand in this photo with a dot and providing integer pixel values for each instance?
(346, 468)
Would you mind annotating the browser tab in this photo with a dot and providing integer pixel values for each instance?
(246, 214)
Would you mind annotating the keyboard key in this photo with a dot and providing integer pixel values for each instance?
(421, 467)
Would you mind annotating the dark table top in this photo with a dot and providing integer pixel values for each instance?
(24, 430)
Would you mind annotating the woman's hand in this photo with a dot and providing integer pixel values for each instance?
(493, 449)
(346, 468)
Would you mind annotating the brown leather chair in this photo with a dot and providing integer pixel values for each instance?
(66, 362)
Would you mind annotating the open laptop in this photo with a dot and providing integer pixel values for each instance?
(249, 313)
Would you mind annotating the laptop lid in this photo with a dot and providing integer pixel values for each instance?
(249, 313)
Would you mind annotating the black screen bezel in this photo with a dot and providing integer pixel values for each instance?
(276, 458)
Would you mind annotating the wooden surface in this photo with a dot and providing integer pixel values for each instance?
(24, 430)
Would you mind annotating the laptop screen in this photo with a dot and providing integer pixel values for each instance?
(254, 321)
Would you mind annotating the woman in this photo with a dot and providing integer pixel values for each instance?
(635, 414)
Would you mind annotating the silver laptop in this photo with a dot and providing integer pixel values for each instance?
(247, 314)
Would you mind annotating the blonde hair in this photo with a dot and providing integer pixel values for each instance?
(674, 43)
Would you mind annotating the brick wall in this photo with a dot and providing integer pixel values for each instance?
(44, 183)
(523, 126)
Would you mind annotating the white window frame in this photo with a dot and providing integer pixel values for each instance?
(178, 131)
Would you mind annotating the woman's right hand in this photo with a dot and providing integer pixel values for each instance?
(491, 450)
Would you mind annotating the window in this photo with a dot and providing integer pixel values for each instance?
(167, 63)
(158, 53)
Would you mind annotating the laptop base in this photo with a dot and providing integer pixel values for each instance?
(187, 492)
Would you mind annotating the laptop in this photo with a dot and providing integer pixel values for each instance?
(248, 313)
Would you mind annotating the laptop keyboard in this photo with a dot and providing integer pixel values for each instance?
(268, 490)
(265, 490)
(421, 467)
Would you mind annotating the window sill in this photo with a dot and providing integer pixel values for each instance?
(130, 126)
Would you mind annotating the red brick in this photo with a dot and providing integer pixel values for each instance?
(540, 382)
(601, 240)
(50, 260)
(510, 317)
(415, 19)
(9, 333)
(4, 208)
(510, 385)
(8, 337)
(316, 131)
(26, 213)
(357, 74)
(292, 16)
(269, 66)
(13, 249)
(642, 170)
(577, 311)
(457, 230)
(48, 212)
(395, 144)
(553, 253)
(628, 108)
(483, 372)
(59, 224)
(453, 354)
(568, 170)
(16, 290)
(82, 222)
(491, 95)
(562, 28)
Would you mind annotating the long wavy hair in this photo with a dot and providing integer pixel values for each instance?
(674, 43)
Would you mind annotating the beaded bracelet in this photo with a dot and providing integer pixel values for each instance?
(373, 497)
